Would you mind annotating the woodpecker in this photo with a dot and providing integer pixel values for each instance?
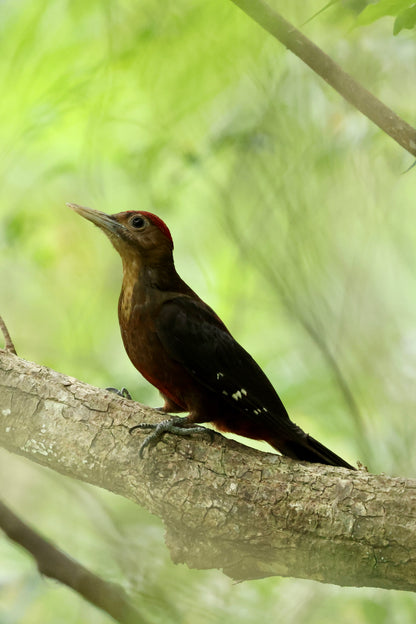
(180, 345)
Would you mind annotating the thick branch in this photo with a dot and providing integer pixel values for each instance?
(332, 73)
(57, 565)
(224, 505)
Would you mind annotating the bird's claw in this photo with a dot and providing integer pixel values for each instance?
(173, 425)
(124, 393)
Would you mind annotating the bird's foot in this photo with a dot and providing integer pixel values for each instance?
(124, 393)
(173, 425)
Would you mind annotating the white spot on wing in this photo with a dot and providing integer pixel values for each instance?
(239, 394)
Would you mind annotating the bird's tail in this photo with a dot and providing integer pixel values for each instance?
(308, 449)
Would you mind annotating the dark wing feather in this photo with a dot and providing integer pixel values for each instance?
(195, 337)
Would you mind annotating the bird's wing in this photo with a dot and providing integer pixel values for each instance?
(194, 336)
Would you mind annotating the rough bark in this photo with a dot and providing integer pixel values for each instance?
(224, 505)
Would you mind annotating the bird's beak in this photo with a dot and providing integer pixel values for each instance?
(104, 221)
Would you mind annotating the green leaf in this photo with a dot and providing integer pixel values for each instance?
(405, 19)
(373, 12)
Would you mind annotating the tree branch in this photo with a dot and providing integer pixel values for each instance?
(332, 73)
(224, 505)
(8, 342)
(57, 565)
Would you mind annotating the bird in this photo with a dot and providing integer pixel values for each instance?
(181, 346)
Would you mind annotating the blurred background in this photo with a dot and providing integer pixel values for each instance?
(291, 216)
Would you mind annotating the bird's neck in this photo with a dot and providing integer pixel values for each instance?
(159, 275)
(148, 283)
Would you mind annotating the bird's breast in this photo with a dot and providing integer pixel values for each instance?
(126, 304)
(146, 352)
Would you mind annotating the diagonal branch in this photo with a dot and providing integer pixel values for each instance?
(224, 505)
(333, 74)
(8, 342)
(57, 565)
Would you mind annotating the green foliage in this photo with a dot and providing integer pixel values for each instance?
(404, 12)
(368, 12)
(290, 216)
(405, 19)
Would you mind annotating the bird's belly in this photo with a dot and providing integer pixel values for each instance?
(232, 421)
(151, 360)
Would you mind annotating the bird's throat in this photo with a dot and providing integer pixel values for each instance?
(132, 270)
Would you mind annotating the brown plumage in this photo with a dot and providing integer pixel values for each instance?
(178, 343)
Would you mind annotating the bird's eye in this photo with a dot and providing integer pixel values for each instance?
(138, 222)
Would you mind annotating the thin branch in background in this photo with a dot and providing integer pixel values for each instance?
(55, 564)
(317, 13)
(8, 342)
(283, 291)
(319, 340)
(331, 72)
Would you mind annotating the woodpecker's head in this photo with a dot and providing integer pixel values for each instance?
(133, 233)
